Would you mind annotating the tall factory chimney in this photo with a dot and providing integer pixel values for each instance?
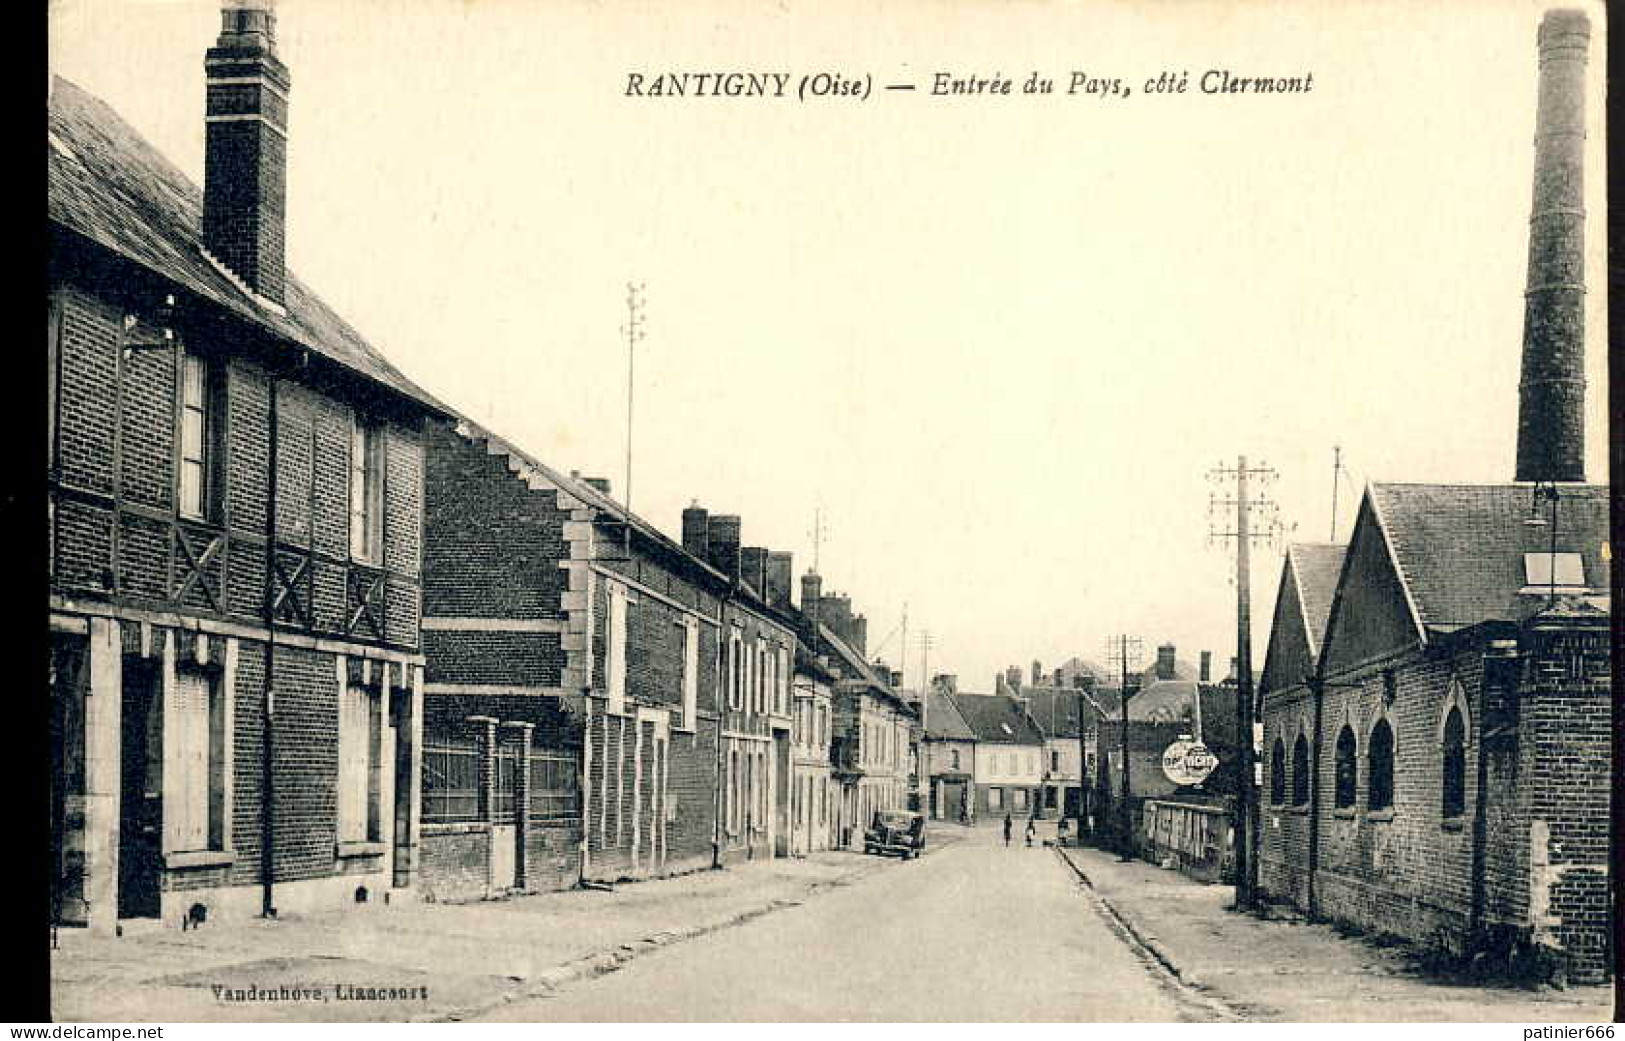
(1551, 387)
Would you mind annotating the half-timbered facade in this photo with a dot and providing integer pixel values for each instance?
(234, 485)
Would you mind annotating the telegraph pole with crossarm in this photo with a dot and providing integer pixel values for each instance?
(1248, 508)
(1124, 651)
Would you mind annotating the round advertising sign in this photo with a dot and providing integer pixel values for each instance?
(1188, 762)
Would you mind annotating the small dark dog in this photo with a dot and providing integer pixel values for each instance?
(196, 915)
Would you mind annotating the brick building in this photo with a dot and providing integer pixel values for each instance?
(235, 532)
(949, 751)
(1303, 600)
(813, 794)
(756, 671)
(588, 679)
(1455, 789)
(872, 760)
(1008, 767)
(1447, 747)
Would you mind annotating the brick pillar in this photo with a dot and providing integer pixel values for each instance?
(520, 735)
(486, 743)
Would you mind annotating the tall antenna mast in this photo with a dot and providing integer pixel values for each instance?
(1337, 474)
(818, 533)
(633, 331)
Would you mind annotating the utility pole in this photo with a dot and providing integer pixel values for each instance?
(1244, 533)
(1125, 651)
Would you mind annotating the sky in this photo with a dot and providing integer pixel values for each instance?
(996, 342)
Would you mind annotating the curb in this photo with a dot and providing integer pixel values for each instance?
(602, 962)
(1151, 945)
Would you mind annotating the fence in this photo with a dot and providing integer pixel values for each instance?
(1195, 839)
(451, 782)
(555, 788)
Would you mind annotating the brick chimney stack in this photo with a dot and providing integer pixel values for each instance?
(1551, 387)
(1165, 662)
(245, 158)
(753, 566)
(1206, 673)
(723, 535)
(697, 532)
(778, 578)
(812, 591)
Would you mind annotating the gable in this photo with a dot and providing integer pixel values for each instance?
(1371, 613)
(1288, 658)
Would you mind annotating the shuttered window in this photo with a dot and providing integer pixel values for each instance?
(189, 720)
(615, 664)
(691, 672)
(358, 743)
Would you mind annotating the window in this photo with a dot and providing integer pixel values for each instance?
(1344, 768)
(1380, 767)
(736, 673)
(1554, 569)
(691, 673)
(366, 491)
(783, 670)
(1300, 771)
(615, 653)
(196, 751)
(734, 785)
(358, 764)
(1453, 802)
(995, 799)
(1278, 772)
(1054, 761)
(1019, 799)
(953, 759)
(199, 437)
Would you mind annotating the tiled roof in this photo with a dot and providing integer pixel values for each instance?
(1054, 709)
(1164, 700)
(943, 721)
(1316, 566)
(995, 717)
(108, 184)
(1460, 548)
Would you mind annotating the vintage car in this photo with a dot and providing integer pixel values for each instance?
(895, 831)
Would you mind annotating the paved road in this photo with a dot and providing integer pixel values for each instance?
(971, 932)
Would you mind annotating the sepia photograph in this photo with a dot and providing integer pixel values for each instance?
(602, 512)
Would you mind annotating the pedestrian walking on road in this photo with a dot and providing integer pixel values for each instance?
(1008, 824)
(1032, 829)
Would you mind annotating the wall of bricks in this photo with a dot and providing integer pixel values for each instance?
(119, 541)
(116, 535)
(493, 544)
(1566, 728)
(452, 862)
(1283, 836)
(1409, 871)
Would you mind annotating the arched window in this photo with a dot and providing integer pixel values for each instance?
(1278, 773)
(1345, 768)
(1300, 771)
(1453, 796)
(1379, 793)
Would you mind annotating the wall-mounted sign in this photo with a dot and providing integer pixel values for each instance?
(1188, 762)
